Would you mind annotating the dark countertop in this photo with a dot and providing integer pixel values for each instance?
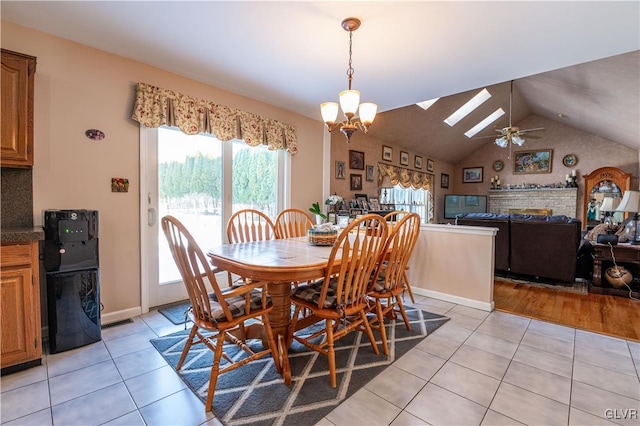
(20, 235)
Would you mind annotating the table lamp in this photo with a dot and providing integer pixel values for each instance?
(631, 204)
(386, 183)
(609, 205)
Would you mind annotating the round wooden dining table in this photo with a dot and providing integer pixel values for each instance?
(279, 263)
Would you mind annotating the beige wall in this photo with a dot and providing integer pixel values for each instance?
(592, 152)
(79, 88)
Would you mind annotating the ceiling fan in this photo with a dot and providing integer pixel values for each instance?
(511, 134)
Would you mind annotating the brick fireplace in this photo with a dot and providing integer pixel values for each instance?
(556, 201)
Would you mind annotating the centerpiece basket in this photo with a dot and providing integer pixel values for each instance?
(322, 238)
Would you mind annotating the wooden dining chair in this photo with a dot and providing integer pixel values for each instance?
(223, 312)
(339, 299)
(250, 225)
(387, 282)
(292, 223)
(392, 218)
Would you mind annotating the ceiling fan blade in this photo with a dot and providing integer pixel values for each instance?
(531, 130)
(485, 137)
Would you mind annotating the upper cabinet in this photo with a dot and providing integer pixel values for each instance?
(17, 109)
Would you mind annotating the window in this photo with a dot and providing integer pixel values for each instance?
(194, 174)
(467, 108)
(418, 201)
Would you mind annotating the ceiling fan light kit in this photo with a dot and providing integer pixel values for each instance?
(511, 135)
(349, 100)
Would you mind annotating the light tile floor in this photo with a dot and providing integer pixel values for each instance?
(478, 369)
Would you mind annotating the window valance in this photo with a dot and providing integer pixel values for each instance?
(155, 107)
(405, 177)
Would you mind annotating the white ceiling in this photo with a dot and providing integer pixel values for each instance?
(294, 54)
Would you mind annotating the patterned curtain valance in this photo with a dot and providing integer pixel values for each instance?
(155, 107)
(405, 177)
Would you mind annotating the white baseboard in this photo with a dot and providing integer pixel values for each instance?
(120, 315)
(454, 299)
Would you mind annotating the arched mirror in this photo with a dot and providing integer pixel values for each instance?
(603, 189)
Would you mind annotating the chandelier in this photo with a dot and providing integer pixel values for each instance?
(349, 100)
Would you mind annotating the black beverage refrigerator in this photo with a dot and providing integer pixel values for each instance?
(71, 262)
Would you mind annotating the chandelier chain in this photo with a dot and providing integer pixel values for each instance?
(350, 69)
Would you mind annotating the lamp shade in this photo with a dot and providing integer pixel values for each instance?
(329, 112)
(630, 202)
(349, 101)
(609, 204)
(368, 112)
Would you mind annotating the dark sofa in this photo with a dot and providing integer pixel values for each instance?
(537, 246)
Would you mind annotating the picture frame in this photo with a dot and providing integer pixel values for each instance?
(444, 180)
(374, 204)
(340, 168)
(404, 158)
(356, 160)
(387, 153)
(355, 182)
(472, 174)
(430, 165)
(532, 162)
(498, 165)
(369, 173)
(417, 162)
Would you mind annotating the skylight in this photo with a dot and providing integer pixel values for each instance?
(466, 109)
(426, 104)
(484, 123)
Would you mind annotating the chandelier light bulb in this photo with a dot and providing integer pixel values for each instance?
(517, 140)
(368, 113)
(502, 142)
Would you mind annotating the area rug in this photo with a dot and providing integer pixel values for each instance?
(176, 312)
(255, 394)
(580, 286)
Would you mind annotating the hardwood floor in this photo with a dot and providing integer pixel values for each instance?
(610, 315)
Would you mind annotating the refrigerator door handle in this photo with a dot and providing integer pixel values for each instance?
(151, 214)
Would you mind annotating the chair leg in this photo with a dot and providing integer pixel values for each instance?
(403, 313)
(383, 332)
(408, 286)
(272, 343)
(187, 346)
(215, 370)
(331, 354)
(367, 327)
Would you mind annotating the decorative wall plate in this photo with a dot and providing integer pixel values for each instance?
(94, 134)
(570, 160)
(498, 166)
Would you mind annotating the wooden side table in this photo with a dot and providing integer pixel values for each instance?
(626, 255)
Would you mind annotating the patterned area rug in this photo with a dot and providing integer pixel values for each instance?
(255, 394)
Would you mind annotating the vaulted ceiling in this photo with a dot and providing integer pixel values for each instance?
(578, 59)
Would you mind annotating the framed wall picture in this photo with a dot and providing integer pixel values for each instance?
(472, 174)
(417, 163)
(374, 204)
(444, 180)
(429, 165)
(356, 182)
(340, 170)
(404, 158)
(527, 162)
(356, 160)
(369, 174)
(387, 153)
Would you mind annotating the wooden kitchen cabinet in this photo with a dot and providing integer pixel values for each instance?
(20, 327)
(17, 109)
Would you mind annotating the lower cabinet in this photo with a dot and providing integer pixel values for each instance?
(20, 328)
